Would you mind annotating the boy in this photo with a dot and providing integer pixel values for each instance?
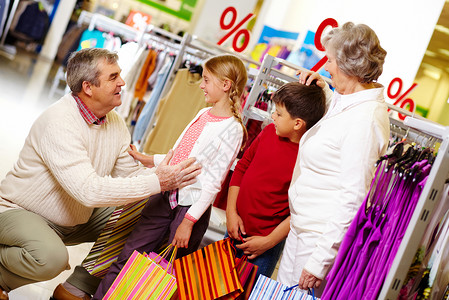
(257, 209)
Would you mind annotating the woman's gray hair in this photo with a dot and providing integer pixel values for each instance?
(357, 51)
(83, 66)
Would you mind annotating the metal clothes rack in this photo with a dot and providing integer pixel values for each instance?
(430, 196)
(195, 47)
(8, 51)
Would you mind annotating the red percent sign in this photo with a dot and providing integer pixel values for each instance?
(318, 45)
(399, 98)
(243, 32)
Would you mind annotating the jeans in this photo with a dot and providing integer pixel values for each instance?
(266, 261)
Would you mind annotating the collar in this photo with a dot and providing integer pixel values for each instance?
(87, 114)
(342, 102)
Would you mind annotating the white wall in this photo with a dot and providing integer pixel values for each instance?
(404, 27)
(208, 23)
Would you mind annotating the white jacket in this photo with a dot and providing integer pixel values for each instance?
(216, 149)
(334, 169)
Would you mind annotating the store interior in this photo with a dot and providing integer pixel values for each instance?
(32, 74)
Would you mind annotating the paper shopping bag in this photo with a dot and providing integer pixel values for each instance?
(112, 238)
(247, 274)
(208, 273)
(144, 278)
(267, 288)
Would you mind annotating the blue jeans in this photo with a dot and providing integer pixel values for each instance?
(266, 261)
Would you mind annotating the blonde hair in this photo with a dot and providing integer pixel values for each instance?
(230, 67)
(357, 51)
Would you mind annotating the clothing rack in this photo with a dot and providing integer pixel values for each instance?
(8, 51)
(429, 198)
(414, 127)
(195, 47)
(104, 23)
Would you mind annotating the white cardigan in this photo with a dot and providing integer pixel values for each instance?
(334, 169)
(216, 149)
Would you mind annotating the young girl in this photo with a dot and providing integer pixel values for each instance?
(214, 137)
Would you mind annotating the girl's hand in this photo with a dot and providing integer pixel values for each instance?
(307, 77)
(146, 160)
(254, 246)
(308, 280)
(234, 225)
(182, 235)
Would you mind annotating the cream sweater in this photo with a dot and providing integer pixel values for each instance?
(67, 167)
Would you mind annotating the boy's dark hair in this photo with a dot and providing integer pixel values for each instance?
(307, 102)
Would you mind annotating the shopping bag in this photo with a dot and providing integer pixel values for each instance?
(112, 238)
(144, 278)
(208, 273)
(267, 288)
(247, 274)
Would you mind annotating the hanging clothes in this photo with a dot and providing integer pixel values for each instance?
(175, 111)
(145, 116)
(374, 236)
(147, 70)
(428, 276)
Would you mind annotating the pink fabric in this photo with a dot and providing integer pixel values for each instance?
(184, 148)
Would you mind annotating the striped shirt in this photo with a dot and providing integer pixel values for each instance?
(87, 114)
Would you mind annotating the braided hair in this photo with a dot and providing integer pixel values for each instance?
(230, 67)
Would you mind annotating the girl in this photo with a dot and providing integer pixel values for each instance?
(214, 137)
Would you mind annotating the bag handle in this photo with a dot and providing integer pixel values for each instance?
(164, 255)
(310, 291)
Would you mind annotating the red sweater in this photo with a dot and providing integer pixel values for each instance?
(264, 174)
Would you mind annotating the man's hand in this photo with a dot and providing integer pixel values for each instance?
(179, 176)
(307, 280)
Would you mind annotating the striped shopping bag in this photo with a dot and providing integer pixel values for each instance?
(267, 288)
(112, 238)
(143, 277)
(208, 273)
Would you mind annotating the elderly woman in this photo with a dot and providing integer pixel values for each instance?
(336, 157)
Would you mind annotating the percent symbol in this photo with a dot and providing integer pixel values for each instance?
(243, 32)
(400, 101)
(327, 22)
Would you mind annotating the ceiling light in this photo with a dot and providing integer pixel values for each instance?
(442, 29)
(430, 53)
(432, 74)
(444, 51)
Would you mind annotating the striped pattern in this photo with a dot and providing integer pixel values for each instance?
(141, 278)
(267, 288)
(208, 273)
(113, 237)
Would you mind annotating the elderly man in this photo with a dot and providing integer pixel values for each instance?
(73, 169)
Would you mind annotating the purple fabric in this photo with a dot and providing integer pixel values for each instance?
(371, 243)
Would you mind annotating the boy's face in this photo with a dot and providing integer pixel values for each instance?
(283, 121)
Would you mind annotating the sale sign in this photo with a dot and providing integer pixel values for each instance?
(138, 20)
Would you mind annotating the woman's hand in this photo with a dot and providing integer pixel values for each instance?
(146, 160)
(308, 280)
(182, 235)
(307, 77)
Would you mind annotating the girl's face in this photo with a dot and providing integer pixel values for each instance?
(214, 89)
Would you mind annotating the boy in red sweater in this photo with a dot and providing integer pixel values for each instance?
(257, 212)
